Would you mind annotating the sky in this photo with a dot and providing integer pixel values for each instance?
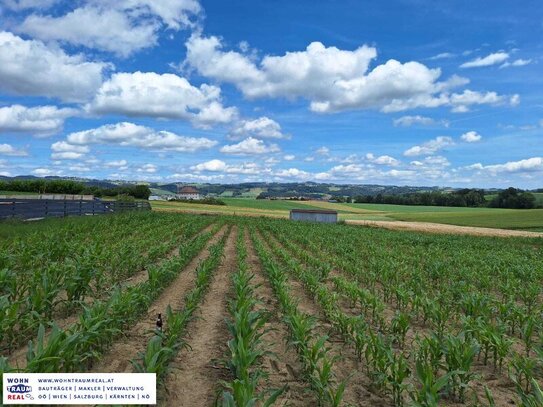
(398, 92)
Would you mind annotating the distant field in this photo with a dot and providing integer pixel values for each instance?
(531, 220)
(413, 208)
(264, 204)
(252, 193)
(158, 191)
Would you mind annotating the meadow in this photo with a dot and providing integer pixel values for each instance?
(530, 220)
(261, 311)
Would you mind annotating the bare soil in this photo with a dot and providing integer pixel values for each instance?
(196, 373)
(444, 229)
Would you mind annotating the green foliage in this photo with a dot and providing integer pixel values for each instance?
(44, 186)
(429, 388)
(462, 197)
(514, 198)
(246, 347)
(204, 201)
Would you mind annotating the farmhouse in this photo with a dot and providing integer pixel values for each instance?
(187, 193)
(314, 215)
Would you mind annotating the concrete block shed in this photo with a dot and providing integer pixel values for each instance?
(313, 215)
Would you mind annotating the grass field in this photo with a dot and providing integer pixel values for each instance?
(260, 311)
(158, 191)
(531, 220)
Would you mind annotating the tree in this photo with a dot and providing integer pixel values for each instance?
(513, 198)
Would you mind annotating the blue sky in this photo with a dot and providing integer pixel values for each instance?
(404, 92)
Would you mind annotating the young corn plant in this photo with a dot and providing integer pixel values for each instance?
(534, 398)
(398, 372)
(399, 327)
(522, 370)
(155, 358)
(430, 387)
(459, 355)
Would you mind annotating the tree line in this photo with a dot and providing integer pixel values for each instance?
(509, 198)
(42, 186)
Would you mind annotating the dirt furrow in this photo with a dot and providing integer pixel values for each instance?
(117, 359)
(443, 228)
(196, 372)
(282, 366)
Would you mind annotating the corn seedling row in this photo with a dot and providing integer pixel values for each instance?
(246, 348)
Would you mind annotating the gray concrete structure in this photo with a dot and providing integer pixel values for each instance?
(313, 215)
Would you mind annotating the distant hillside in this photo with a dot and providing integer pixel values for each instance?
(273, 190)
(286, 190)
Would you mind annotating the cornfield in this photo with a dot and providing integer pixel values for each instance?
(271, 312)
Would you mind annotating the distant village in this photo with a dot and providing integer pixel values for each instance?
(184, 193)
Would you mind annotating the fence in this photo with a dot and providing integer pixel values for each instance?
(42, 208)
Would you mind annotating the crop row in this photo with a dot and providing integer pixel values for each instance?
(30, 290)
(246, 347)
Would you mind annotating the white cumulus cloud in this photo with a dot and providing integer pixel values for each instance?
(149, 94)
(147, 168)
(212, 165)
(527, 165)
(407, 121)
(121, 27)
(40, 120)
(323, 151)
(250, 146)
(294, 173)
(66, 151)
(516, 62)
(263, 127)
(430, 147)
(489, 60)
(471, 137)
(30, 68)
(129, 134)
(8, 149)
(330, 78)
